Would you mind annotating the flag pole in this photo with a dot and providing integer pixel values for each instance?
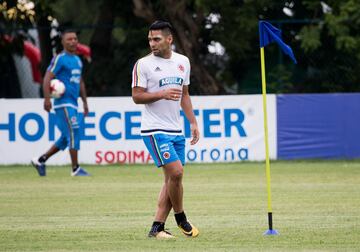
(270, 231)
(269, 34)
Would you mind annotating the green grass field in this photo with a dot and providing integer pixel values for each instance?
(316, 207)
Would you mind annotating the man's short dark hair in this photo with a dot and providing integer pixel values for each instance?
(68, 30)
(161, 25)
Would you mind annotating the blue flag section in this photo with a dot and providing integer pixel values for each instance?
(269, 34)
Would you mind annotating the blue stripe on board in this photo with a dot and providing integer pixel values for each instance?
(318, 126)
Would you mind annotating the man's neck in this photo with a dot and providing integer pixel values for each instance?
(69, 52)
(166, 55)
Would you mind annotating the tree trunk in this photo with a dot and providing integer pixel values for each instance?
(96, 75)
(44, 29)
(100, 42)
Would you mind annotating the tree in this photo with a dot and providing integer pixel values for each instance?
(102, 49)
(187, 18)
(43, 20)
(328, 48)
(324, 37)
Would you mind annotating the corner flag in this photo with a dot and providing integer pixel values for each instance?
(269, 34)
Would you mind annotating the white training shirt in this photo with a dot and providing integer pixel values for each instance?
(154, 74)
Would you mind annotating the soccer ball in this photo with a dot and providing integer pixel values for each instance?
(57, 88)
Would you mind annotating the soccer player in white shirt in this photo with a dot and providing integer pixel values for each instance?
(160, 81)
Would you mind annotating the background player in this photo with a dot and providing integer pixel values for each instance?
(66, 67)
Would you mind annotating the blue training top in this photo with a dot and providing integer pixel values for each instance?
(67, 68)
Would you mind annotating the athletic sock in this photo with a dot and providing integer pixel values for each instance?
(180, 217)
(75, 168)
(42, 159)
(157, 226)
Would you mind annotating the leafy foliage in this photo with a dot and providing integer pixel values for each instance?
(332, 47)
(325, 39)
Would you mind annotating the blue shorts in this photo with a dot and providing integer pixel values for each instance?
(67, 120)
(165, 148)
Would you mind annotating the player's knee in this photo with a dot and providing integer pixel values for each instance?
(64, 141)
(177, 175)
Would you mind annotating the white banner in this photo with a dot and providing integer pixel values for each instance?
(231, 129)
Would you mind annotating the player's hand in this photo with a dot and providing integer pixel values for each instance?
(194, 133)
(47, 104)
(173, 94)
(86, 109)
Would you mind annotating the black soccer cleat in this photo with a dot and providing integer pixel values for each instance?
(188, 229)
(160, 235)
(40, 167)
